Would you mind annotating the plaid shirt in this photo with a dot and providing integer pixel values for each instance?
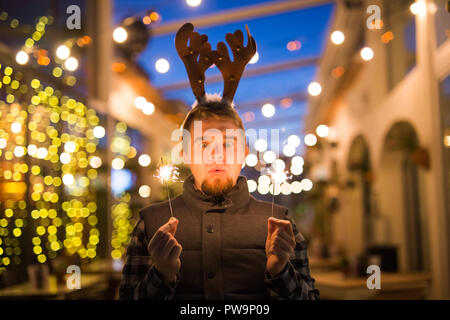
(141, 280)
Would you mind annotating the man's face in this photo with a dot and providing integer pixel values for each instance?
(217, 153)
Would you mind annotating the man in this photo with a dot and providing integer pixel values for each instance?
(223, 243)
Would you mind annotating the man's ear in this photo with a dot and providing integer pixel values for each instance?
(247, 150)
(185, 156)
(184, 150)
(181, 154)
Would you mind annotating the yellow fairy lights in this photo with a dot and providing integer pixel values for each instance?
(13, 187)
(51, 163)
(122, 226)
(42, 141)
(122, 216)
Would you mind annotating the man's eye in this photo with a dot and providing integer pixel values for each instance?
(203, 145)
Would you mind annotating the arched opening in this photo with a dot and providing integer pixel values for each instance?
(400, 183)
(360, 185)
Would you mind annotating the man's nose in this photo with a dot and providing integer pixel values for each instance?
(217, 153)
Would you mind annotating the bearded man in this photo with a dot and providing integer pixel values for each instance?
(223, 243)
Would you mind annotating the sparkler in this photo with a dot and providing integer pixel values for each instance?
(167, 173)
(278, 176)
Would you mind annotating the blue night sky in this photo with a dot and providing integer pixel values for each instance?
(272, 33)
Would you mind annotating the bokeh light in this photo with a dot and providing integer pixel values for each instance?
(268, 110)
(144, 191)
(144, 160)
(162, 65)
(120, 35)
(337, 37)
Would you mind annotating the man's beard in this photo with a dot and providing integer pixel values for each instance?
(217, 187)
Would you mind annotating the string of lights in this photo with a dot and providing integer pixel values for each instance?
(121, 213)
(48, 161)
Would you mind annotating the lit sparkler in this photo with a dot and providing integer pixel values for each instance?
(278, 176)
(167, 173)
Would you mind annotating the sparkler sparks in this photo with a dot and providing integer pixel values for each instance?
(278, 176)
(167, 173)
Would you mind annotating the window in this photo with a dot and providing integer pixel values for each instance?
(442, 22)
(445, 116)
(402, 48)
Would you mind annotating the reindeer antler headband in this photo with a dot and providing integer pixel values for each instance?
(198, 57)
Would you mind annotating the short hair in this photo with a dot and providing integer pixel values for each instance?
(214, 110)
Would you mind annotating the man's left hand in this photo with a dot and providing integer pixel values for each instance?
(280, 244)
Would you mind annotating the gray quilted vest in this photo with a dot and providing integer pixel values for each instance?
(223, 242)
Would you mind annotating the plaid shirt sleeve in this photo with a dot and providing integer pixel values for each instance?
(140, 279)
(294, 282)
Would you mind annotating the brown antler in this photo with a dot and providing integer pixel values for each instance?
(195, 66)
(232, 71)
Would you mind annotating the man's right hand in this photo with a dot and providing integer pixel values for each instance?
(165, 250)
